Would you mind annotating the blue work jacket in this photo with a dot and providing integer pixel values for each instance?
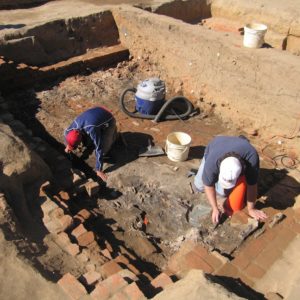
(93, 122)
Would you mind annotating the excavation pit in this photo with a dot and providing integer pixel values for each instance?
(54, 69)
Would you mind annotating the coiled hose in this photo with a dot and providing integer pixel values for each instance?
(156, 118)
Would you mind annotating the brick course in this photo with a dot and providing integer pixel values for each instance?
(72, 287)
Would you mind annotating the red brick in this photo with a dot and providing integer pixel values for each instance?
(109, 247)
(228, 270)
(56, 213)
(213, 261)
(121, 259)
(91, 277)
(44, 189)
(65, 222)
(101, 291)
(119, 296)
(161, 281)
(78, 219)
(92, 188)
(86, 238)
(194, 261)
(62, 240)
(241, 261)
(78, 231)
(148, 276)
(268, 257)
(72, 249)
(246, 280)
(284, 237)
(84, 214)
(296, 227)
(125, 273)
(133, 292)
(71, 286)
(110, 268)
(48, 206)
(270, 234)
(254, 271)
(106, 253)
(201, 251)
(254, 247)
(64, 196)
(133, 269)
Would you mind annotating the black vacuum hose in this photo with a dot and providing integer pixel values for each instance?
(158, 116)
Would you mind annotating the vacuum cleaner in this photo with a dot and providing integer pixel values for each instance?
(150, 102)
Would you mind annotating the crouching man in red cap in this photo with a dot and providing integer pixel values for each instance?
(99, 125)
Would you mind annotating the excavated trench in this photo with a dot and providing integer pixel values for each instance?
(147, 204)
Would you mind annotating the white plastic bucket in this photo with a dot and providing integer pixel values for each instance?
(178, 146)
(254, 34)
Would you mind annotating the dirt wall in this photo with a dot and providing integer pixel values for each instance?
(61, 39)
(252, 88)
(6, 4)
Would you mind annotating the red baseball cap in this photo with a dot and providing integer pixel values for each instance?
(73, 138)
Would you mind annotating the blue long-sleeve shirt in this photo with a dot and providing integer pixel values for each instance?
(92, 122)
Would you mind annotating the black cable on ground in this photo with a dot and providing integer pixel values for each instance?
(160, 114)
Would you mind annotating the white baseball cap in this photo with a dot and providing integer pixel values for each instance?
(230, 170)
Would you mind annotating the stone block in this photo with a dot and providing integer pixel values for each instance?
(293, 44)
(72, 287)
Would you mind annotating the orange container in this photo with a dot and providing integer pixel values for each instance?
(236, 199)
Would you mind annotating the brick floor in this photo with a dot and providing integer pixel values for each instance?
(72, 287)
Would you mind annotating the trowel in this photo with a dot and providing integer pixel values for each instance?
(151, 150)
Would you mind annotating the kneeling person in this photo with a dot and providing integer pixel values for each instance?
(226, 159)
(100, 126)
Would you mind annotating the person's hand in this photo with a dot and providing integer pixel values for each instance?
(215, 216)
(68, 149)
(257, 214)
(102, 175)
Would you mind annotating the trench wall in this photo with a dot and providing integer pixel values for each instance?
(8, 4)
(60, 39)
(250, 87)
